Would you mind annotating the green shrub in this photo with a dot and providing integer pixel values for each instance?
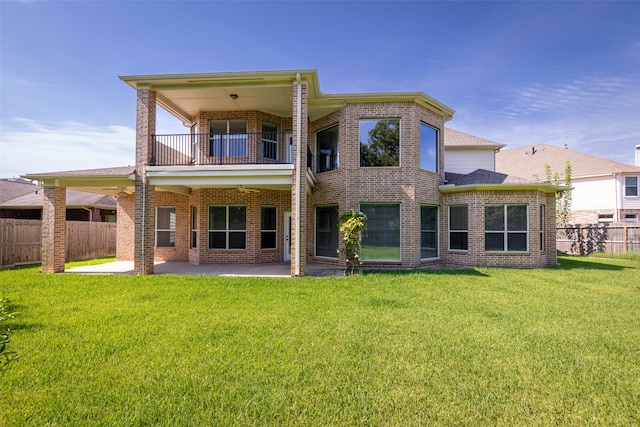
(6, 357)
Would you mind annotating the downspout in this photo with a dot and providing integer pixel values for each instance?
(90, 213)
(298, 173)
(144, 213)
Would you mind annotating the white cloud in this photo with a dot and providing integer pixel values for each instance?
(29, 146)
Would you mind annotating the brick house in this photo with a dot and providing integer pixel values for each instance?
(268, 162)
(604, 191)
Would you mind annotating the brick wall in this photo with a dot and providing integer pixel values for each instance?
(54, 229)
(125, 227)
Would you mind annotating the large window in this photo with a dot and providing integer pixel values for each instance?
(227, 227)
(542, 223)
(428, 148)
(194, 227)
(228, 138)
(269, 141)
(327, 149)
(428, 232)
(458, 228)
(379, 142)
(268, 227)
(165, 227)
(505, 228)
(381, 238)
(327, 231)
(630, 185)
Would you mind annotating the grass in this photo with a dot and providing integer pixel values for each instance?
(556, 346)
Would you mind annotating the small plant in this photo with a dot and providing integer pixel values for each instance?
(350, 225)
(6, 357)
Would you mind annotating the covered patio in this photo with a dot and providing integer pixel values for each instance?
(280, 269)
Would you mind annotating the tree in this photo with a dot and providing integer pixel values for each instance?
(350, 225)
(563, 198)
(383, 144)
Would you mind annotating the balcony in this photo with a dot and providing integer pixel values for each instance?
(224, 149)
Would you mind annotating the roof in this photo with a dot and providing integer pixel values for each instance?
(456, 139)
(184, 95)
(529, 162)
(482, 176)
(482, 179)
(10, 188)
(34, 199)
(113, 181)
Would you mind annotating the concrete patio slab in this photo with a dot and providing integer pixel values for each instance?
(282, 269)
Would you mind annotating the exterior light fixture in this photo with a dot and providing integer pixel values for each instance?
(234, 96)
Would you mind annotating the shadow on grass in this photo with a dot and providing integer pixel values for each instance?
(431, 272)
(583, 263)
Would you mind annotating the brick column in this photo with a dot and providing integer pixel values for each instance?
(145, 194)
(54, 229)
(299, 238)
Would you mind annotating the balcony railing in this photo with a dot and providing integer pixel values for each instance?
(224, 149)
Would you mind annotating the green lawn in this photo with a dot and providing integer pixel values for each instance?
(556, 346)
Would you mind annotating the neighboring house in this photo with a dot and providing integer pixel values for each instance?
(268, 162)
(21, 199)
(603, 190)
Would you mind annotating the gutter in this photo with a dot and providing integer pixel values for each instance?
(547, 188)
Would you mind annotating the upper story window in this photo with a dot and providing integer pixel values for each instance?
(327, 149)
(428, 148)
(269, 141)
(228, 138)
(379, 142)
(506, 228)
(630, 185)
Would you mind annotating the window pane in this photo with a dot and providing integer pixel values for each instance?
(236, 240)
(268, 218)
(380, 142)
(429, 234)
(237, 126)
(327, 142)
(327, 231)
(217, 240)
(494, 242)
(166, 218)
(458, 240)
(237, 218)
(494, 218)
(381, 238)
(268, 240)
(217, 218)
(166, 239)
(458, 217)
(428, 148)
(517, 242)
(517, 217)
(631, 186)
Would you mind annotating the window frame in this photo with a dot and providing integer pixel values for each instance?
(268, 231)
(458, 231)
(436, 147)
(227, 230)
(226, 140)
(334, 163)
(542, 227)
(272, 152)
(435, 232)
(506, 232)
(193, 221)
(369, 229)
(627, 187)
(332, 231)
(172, 226)
(360, 143)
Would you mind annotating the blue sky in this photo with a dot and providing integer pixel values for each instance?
(519, 73)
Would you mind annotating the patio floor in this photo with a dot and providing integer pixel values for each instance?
(281, 269)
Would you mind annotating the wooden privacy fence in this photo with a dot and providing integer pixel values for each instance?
(606, 238)
(21, 241)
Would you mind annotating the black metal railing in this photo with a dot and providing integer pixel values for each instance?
(223, 149)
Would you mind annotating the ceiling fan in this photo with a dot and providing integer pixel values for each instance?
(242, 189)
